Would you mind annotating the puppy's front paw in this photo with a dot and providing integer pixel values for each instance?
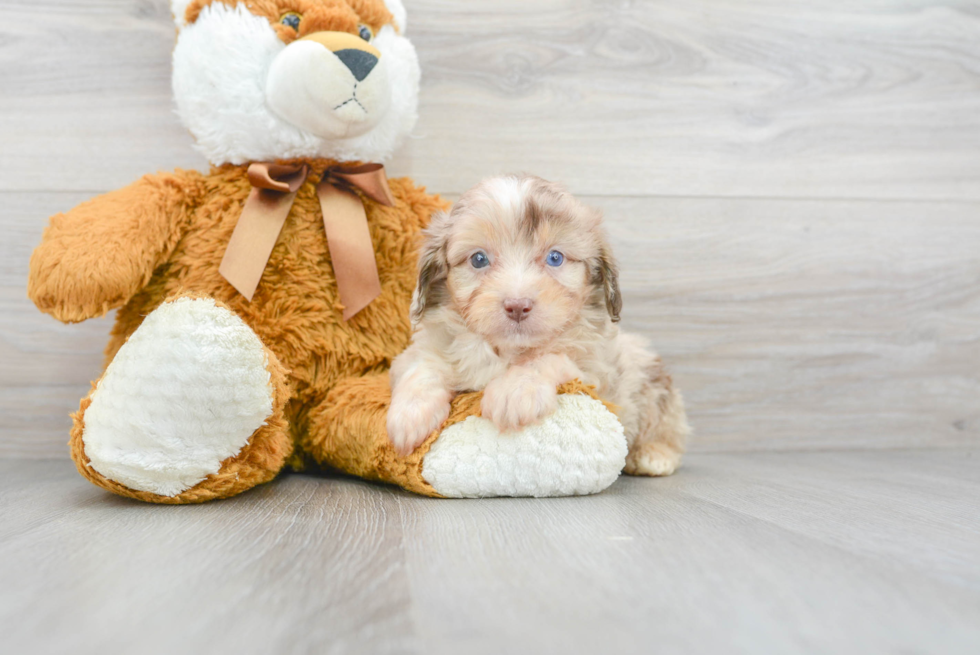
(516, 400)
(413, 417)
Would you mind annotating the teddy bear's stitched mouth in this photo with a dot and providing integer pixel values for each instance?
(347, 102)
(354, 99)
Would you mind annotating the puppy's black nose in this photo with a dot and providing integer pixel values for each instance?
(518, 308)
(359, 62)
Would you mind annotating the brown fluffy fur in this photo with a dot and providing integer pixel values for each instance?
(165, 235)
(318, 15)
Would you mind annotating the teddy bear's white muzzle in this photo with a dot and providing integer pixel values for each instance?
(331, 93)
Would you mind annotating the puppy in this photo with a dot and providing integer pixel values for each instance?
(518, 293)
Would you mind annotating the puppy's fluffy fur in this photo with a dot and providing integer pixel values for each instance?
(518, 293)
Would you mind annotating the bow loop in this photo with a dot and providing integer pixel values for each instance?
(274, 189)
(369, 178)
(285, 178)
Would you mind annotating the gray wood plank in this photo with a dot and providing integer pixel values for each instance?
(799, 324)
(755, 98)
(47, 367)
(648, 569)
(288, 568)
(87, 103)
(918, 510)
(793, 552)
(788, 324)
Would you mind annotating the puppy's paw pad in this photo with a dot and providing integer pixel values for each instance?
(653, 459)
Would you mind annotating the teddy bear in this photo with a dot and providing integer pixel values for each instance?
(260, 304)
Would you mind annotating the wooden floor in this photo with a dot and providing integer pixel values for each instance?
(860, 552)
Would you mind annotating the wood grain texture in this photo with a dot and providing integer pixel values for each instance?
(673, 97)
(694, 97)
(46, 366)
(810, 324)
(747, 553)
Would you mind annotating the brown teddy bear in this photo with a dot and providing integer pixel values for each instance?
(260, 304)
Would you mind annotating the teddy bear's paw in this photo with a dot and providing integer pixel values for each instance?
(579, 449)
(186, 392)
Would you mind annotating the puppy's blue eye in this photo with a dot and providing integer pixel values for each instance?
(555, 258)
(480, 260)
(365, 32)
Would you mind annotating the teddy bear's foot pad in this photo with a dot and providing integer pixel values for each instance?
(578, 450)
(185, 392)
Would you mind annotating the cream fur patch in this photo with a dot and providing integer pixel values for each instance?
(186, 392)
(578, 450)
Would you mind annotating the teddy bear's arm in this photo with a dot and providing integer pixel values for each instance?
(98, 255)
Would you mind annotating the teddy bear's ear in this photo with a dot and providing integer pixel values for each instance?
(397, 9)
(179, 10)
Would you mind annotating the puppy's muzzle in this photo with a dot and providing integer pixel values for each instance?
(518, 309)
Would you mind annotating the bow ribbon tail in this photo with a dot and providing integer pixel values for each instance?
(265, 212)
(351, 248)
(344, 218)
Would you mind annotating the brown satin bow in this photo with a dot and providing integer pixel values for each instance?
(274, 188)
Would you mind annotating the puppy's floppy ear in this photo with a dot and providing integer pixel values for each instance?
(605, 271)
(433, 267)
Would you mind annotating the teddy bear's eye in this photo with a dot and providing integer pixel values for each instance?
(291, 19)
(365, 32)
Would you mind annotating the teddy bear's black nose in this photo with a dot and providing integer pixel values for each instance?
(359, 62)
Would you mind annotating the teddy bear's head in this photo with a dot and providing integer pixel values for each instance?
(259, 80)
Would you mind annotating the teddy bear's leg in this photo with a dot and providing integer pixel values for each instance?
(580, 449)
(190, 409)
(347, 432)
